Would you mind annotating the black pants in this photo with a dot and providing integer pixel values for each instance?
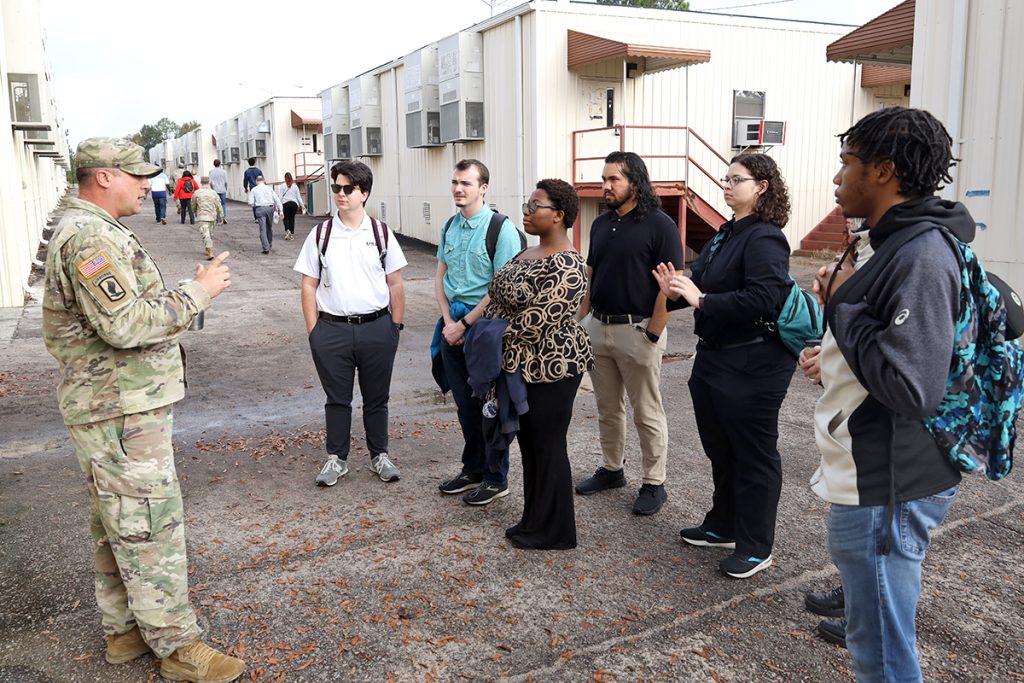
(339, 350)
(290, 209)
(736, 396)
(474, 456)
(549, 518)
(186, 205)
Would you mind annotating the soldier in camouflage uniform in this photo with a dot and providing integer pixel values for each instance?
(208, 210)
(114, 328)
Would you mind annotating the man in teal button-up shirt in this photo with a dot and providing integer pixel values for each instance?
(464, 271)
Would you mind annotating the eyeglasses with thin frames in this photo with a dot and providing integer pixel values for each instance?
(736, 180)
(338, 189)
(531, 207)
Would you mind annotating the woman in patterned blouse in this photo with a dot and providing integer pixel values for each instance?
(539, 293)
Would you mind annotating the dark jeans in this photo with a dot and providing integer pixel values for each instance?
(471, 419)
(224, 203)
(339, 351)
(549, 518)
(160, 205)
(290, 209)
(736, 396)
(186, 205)
(265, 218)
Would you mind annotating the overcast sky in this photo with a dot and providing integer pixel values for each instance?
(119, 64)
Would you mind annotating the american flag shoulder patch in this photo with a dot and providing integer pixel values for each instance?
(96, 264)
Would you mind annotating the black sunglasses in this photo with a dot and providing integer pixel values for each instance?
(338, 189)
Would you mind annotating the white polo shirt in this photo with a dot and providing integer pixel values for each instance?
(357, 282)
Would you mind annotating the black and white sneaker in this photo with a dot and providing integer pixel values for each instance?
(460, 482)
(698, 536)
(740, 567)
(484, 494)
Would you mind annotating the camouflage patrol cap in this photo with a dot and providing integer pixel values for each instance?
(114, 153)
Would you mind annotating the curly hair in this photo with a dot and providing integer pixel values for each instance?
(635, 170)
(772, 206)
(563, 197)
(915, 142)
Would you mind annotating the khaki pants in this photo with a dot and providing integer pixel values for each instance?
(206, 230)
(137, 524)
(627, 363)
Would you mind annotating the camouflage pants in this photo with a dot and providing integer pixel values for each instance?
(137, 525)
(206, 230)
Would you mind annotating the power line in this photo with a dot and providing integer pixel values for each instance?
(752, 4)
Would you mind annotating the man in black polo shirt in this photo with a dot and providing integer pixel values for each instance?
(627, 325)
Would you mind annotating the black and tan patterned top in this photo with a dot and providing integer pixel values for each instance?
(540, 298)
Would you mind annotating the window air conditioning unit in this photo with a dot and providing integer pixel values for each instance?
(235, 155)
(181, 162)
(261, 148)
(342, 146)
(461, 87)
(422, 106)
(26, 104)
(263, 127)
(364, 116)
(195, 157)
(750, 132)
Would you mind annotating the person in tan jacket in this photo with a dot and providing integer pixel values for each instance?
(209, 212)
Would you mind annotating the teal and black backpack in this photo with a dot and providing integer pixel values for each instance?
(975, 423)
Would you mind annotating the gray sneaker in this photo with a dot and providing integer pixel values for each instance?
(384, 468)
(333, 469)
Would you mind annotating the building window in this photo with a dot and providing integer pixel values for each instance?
(748, 104)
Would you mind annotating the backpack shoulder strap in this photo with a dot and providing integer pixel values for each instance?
(380, 239)
(494, 232)
(448, 224)
(323, 228)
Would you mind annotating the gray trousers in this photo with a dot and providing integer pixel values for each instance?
(265, 217)
(339, 350)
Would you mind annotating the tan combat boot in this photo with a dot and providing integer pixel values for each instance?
(124, 647)
(200, 663)
(209, 253)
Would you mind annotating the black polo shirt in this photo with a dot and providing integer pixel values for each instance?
(623, 252)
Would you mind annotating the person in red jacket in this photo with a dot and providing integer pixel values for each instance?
(183, 191)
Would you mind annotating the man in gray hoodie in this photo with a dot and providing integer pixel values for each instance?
(883, 365)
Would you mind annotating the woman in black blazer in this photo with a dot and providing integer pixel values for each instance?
(742, 369)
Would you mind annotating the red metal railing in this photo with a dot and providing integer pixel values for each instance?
(621, 131)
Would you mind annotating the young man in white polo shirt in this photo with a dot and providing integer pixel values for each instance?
(353, 302)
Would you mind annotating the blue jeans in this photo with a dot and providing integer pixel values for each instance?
(224, 203)
(160, 205)
(471, 419)
(882, 590)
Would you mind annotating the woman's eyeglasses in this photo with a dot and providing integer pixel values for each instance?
(531, 207)
(338, 189)
(736, 180)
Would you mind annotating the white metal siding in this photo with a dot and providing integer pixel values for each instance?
(992, 106)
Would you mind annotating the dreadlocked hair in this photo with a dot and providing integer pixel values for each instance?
(915, 142)
(635, 170)
(773, 205)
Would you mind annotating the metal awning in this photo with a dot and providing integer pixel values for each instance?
(306, 121)
(586, 49)
(875, 75)
(886, 39)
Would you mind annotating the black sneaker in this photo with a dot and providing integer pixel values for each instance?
(697, 536)
(650, 499)
(740, 567)
(833, 632)
(484, 494)
(603, 479)
(827, 603)
(460, 482)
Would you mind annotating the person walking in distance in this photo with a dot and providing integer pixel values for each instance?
(265, 205)
(208, 211)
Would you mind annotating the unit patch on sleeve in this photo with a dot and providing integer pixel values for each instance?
(96, 264)
(111, 288)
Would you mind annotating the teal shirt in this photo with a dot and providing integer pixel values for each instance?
(464, 251)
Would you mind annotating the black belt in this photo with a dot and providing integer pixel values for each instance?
(354, 319)
(711, 346)
(619, 319)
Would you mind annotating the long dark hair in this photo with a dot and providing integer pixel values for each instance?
(915, 141)
(773, 205)
(635, 170)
